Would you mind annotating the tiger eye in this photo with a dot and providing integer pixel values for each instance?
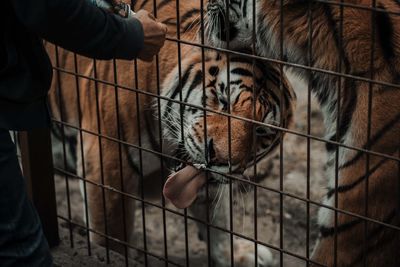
(261, 131)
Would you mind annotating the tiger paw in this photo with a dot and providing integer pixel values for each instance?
(244, 255)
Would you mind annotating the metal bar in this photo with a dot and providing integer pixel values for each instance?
(181, 111)
(309, 89)
(40, 180)
(338, 76)
(138, 121)
(358, 6)
(61, 110)
(146, 252)
(255, 99)
(327, 141)
(121, 174)
(161, 147)
(356, 216)
(205, 132)
(82, 154)
(199, 220)
(369, 128)
(228, 90)
(355, 76)
(141, 177)
(239, 179)
(337, 135)
(100, 144)
(281, 57)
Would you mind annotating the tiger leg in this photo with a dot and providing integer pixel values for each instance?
(367, 189)
(110, 213)
(374, 197)
(358, 241)
(220, 240)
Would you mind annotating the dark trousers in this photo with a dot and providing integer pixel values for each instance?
(22, 242)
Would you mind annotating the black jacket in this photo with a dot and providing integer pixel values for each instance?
(25, 69)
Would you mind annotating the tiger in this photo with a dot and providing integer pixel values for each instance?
(360, 212)
(169, 118)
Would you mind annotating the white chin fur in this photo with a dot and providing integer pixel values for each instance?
(325, 216)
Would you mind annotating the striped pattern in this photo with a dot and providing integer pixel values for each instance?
(236, 96)
(346, 44)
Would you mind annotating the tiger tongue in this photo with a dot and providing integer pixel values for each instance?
(181, 187)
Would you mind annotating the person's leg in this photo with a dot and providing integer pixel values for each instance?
(22, 242)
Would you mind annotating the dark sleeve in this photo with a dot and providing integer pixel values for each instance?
(81, 27)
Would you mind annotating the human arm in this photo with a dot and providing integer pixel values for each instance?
(81, 27)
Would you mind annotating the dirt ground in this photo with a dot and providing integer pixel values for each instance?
(268, 215)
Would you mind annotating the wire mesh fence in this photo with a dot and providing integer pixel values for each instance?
(219, 97)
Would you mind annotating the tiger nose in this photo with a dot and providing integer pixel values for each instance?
(211, 151)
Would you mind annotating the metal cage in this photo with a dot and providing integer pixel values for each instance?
(277, 203)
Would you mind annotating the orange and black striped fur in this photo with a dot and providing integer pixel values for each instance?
(359, 43)
(116, 111)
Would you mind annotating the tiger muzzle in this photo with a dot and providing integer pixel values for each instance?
(223, 148)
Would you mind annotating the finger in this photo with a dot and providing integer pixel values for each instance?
(161, 45)
(151, 16)
(142, 12)
(163, 27)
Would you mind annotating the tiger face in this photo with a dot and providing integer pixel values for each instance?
(234, 30)
(210, 136)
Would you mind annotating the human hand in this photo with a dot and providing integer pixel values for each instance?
(154, 35)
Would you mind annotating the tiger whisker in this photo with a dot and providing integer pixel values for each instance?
(195, 21)
(216, 195)
(239, 184)
(173, 120)
(174, 127)
(170, 110)
(171, 129)
(218, 203)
